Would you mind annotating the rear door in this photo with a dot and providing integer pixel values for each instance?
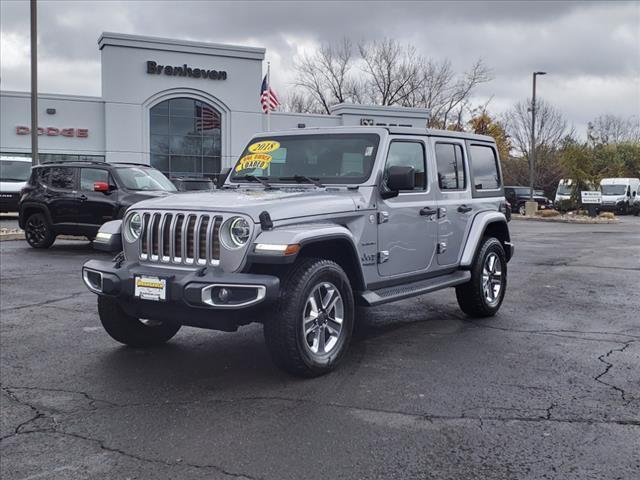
(453, 196)
(96, 208)
(61, 195)
(407, 230)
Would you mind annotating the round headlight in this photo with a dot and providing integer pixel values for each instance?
(135, 226)
(239, 231)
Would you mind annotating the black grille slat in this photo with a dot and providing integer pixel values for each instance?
(166, 235)
(215, 241)
(191, 240)
(202, 238)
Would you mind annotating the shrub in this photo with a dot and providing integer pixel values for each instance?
(549, 213)
(566, 205)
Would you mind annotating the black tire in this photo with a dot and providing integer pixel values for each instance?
(130, 330)
(284, 328)
(38, 231)
(522, 209)
(471, 295)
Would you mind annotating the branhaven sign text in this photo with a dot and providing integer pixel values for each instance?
(185, 71)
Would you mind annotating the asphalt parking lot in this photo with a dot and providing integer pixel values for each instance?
(550, 388)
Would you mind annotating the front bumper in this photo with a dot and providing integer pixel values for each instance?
(193, 297)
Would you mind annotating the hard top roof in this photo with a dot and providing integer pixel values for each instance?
(380, 128)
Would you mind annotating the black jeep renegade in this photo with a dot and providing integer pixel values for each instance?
(76, 198)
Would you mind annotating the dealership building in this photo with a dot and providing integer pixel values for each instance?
(186, 108)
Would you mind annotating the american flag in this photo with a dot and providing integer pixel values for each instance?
(268, 97)
(206, 118)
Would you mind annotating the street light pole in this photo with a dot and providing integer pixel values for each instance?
(34, 83)
(532, 153)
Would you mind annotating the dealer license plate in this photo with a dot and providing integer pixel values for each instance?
(151, 288)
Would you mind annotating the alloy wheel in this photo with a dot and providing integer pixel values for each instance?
(492, 279)
(36, 230)
(322, 318)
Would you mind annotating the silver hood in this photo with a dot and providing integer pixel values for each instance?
(281, 204)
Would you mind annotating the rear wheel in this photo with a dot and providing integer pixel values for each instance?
(38, 232)
(521, 209)
(483, 294)
(130, 330)
(310, 328)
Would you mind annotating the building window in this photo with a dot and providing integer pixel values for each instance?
(185, 138)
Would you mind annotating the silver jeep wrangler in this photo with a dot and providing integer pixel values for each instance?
(308, 225)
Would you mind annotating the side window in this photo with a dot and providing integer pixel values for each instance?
(484, 164)
(61, 177)
(450, 161)
(88, 176)
(409, 154)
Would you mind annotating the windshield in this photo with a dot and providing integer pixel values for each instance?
(564, 189)
(14, 171)
(144, 179)
(328, 158)
(613, 189)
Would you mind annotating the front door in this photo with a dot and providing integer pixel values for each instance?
(454, 195)
(407, 227)
(96, 208)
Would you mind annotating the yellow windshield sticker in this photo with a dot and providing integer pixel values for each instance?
(265, 146)
(254, 160)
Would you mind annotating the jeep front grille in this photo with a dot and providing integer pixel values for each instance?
(184, 238)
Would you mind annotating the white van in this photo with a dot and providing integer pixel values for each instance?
(619, 194)
(14, 173)
(564, 190)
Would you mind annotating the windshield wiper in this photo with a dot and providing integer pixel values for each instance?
(303, 178)
(254, 178)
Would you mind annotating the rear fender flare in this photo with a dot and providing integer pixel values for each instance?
(481, 222)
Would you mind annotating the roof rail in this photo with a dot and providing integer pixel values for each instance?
(91, 162)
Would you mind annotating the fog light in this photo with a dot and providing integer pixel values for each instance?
(224, 295)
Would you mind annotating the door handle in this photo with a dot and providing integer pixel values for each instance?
(464, 209)
(427, 211)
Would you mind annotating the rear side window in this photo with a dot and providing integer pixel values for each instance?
(409, 154)
(61, 177)
(88, 176)
(484, 165)
(450, 161)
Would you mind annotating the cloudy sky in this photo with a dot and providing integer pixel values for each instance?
(590, 49)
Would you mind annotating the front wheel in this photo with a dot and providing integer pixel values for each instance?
(38, 232)
(133, 331)
(310, 328)
(522, 209)
(483, 294)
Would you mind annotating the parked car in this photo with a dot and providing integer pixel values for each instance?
(635, 208)
(188, 184)
(14, 172)
(518, 196)
(309, 224)
(76, 198)
(618, 194)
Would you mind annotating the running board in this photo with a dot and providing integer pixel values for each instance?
(399, 292)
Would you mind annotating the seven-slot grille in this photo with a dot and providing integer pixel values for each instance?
(187, 238)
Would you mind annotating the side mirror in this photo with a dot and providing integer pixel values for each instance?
(398, 178)
(101, 187)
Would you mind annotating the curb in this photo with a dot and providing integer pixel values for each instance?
(19, 235)
(565, 220)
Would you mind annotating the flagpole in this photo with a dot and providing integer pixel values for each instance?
(268, 86)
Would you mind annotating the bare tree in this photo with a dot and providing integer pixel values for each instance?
(325, 74)
(392, 71)
(551, 126)
(611, 129)
(300, 102)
